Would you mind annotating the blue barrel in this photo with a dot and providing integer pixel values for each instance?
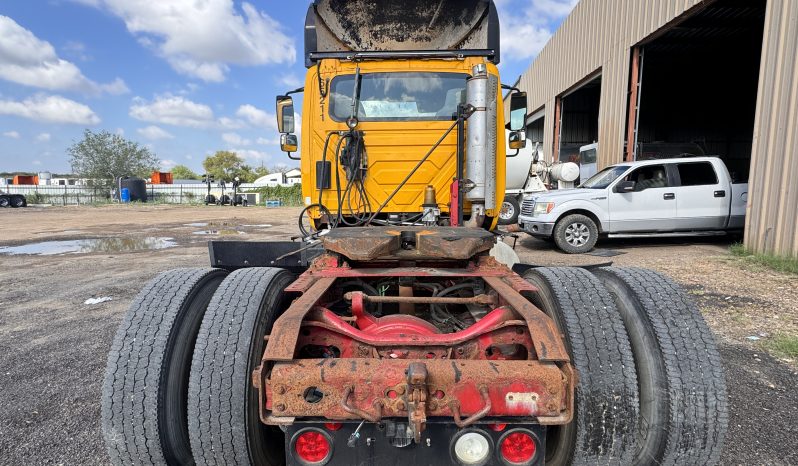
(125, 195)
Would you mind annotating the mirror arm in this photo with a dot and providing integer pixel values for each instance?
(293, 158)
(507, 87)
(517, 151)
(295, 91)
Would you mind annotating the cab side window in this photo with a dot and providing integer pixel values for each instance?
(649, 177)
(697, 174)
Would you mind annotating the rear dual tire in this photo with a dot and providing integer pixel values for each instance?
(606, 404)
(683, 401)
(144, 394)
(651, 388)
(223, 413)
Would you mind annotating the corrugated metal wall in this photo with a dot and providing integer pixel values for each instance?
(597, 36)
(772, 217)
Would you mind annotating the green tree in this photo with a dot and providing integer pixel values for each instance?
(261, 171)
(223, 165)
(182, 172)
(103, 157)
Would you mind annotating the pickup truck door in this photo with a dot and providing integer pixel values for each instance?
(703, 197)
(650, 207)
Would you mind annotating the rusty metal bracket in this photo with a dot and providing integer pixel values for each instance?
(454, 405)
(547, 340)
(417, 398)
(478, 299)
(283, 337)
(357, 411)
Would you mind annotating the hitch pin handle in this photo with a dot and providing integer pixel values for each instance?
(355, 435)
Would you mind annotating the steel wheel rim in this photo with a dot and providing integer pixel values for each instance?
(577, 234)
(507, 211)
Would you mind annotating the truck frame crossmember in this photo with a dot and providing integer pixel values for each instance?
(510, 364)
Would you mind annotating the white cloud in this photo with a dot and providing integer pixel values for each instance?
(11, 134)
(290, 81)
(253, 155)
(154, 133)
(43, 137)
(201, 38)
(235, 139)
(268, 142)
(51, 109)
(257, 117)
(525, 26)
(120, 131)
(231, 123)
(554, 8)
(28, 60)
(37, 162)
(167, 164)
(173, 110)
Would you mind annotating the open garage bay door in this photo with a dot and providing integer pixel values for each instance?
(698, 86)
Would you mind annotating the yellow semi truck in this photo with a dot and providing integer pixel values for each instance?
(390, 333)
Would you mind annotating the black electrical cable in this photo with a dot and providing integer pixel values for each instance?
(322, 209)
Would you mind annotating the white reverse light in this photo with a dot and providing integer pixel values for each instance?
(472, 448)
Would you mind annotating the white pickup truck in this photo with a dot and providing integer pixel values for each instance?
(674, 197)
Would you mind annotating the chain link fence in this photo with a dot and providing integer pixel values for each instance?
(157, 193)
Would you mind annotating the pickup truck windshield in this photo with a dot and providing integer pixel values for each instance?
(399, 96)
(603, 178)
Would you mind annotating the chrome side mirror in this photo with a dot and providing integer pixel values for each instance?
(288, 143)
(285, 114)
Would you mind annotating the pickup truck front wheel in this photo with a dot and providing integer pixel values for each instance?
(575, 234)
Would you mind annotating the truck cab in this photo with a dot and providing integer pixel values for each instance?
(681, 196)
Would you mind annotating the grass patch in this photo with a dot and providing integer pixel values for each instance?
(780, 264)
(783, 345)
(290, 196)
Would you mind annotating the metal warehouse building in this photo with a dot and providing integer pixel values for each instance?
(635, 75)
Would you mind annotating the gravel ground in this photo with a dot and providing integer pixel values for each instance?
(54, 346)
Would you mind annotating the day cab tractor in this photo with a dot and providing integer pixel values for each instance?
(396, 332)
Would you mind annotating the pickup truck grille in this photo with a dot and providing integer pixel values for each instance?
(527, 206)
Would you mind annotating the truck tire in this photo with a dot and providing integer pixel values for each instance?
(508, 215)
(18, 201)
(683, 403)
(5, 201)
(606, 404)
(224, 422)
(575, 234)
(146, 380)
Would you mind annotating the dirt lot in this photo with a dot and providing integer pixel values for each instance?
(53, 346)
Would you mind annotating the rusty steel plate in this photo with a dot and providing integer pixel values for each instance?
(524, 389)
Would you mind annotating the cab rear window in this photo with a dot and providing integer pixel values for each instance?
(697, 174)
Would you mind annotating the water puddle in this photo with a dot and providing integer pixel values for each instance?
(219, 232)
(262, 225)
(79, 246)
(196, 225)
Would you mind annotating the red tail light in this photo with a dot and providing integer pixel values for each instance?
(313, 447)
(497, 427)
(518, 447)
(333, 426)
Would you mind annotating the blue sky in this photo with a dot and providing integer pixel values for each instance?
(184, 77)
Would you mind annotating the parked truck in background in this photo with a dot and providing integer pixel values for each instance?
(389, 334)
(527, 173)
(680, 196)
(12, 200)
